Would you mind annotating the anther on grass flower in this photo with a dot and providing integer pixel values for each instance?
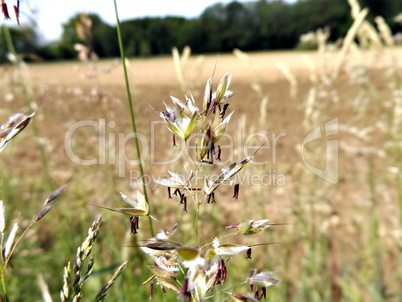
(185, 293)
(211, 198)
(4, 10)
(177, 192)
(218, 157)
(222, 111)
(218, 273)
(248, 253)
(184, 202)
(236, 191)
(17, 11)
(134, 224)
(139, 208)
(151, 290)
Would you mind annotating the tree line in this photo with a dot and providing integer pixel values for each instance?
(250, 26)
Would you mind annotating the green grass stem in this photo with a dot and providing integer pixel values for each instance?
(132, 115)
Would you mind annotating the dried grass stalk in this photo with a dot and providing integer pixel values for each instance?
(350, 36)
(385, 31)
(289, 76)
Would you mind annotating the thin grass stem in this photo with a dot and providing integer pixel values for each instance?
(132, 115)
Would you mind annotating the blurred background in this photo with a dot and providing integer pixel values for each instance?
(153, 28)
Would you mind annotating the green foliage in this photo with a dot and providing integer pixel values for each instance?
(25, 41)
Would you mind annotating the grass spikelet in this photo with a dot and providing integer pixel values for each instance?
(355, 8)
(9, 246)
(322, 37)
(49, 203)
(385, 31)
(15, 125)
(101, 296)
(350, 36)
(74, 277)
(289, 76)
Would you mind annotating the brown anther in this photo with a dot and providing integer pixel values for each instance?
(219, 153)
(223, 270)
(236, 191)
(223, 110)
(4, 10)
(177, 192)
(182, 197)
(17, 12)
(256, 294)
(151, 290)
(263, 293)
(185, 294)
(211, 198)
(184, 203)
(248, 253)
(134, 224)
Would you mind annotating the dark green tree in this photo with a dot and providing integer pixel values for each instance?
(25, 40)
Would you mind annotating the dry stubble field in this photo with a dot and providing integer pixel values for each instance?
(342, 241)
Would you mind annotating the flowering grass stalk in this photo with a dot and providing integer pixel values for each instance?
(193, 272)
(8, 246)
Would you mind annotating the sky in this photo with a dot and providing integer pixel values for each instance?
(50, 14)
